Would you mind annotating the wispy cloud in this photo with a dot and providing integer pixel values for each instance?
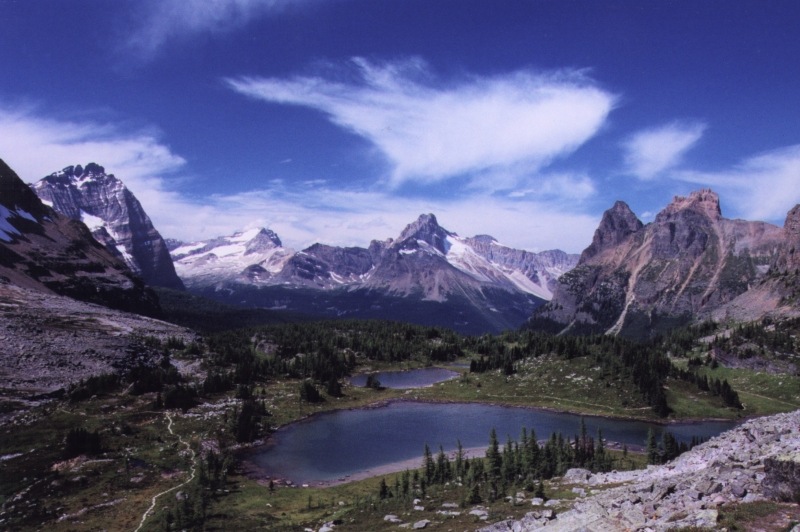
(650, 153)
(559, 187)
(430, 130)
(761, 187)
(301, 213)
(302, 216)
(36, 146)
(162, 20)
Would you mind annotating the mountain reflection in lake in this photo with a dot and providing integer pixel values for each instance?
(415, 378)
(333, 445)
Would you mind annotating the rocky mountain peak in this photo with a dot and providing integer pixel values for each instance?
(80, 175)
(427, 229)
(118, 220)
(42, 250)
(686, 265)
(704, 202)
(617, 223)
(264, 240)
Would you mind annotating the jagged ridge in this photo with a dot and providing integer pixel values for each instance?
(637, 279)
(114, 215)
(42, 250)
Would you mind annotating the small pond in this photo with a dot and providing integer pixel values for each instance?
(415, 378)
(345, 443)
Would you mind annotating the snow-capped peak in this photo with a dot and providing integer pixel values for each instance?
(228, 257)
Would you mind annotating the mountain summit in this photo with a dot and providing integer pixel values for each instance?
(426, 267)
(48, 252)
(637, 279)
(114, 215)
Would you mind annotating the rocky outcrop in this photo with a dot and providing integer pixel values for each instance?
(43, 250)
(325, 267)
(114, 215)
(789, 259)
(777, 294)
(617, 224)
(756, 461)
(638, 280)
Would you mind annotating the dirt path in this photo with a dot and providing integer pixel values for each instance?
(191, 477)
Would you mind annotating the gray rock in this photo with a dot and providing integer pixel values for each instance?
(577, 475)
(687, 491)
(419, 525)
(739, 490)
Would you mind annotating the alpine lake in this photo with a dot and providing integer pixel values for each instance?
(347, 444)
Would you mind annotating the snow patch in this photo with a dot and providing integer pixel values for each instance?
(91, 221)
(6, 229)
(187, 249)
(125, 255)
(25, 214)
(245, 236)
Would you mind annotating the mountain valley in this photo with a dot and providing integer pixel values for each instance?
(107, 410)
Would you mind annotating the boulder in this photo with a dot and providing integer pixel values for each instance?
(782, 480)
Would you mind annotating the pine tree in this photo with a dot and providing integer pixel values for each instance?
(428, 465)
(495, 461)
(652, 448)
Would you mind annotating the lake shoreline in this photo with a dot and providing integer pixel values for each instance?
(263, 474)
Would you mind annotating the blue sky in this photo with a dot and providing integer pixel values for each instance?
(340, 121)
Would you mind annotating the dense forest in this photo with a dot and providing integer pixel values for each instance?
(321, 354)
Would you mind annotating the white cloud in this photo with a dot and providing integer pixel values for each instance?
(303, 216)
(35, 147)
(559, 187)
(301, 213)
(651, 152)
(162, 20)
(762, 187)
(429, 132)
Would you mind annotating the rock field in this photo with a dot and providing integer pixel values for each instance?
(758, 460)
(48, 341)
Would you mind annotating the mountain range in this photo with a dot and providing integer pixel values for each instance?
(634, 279)
(481, 284)
(689, 264)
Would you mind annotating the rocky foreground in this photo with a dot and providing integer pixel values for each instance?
(759, 460)
(49, 341)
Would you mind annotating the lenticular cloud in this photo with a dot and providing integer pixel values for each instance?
(430, 131)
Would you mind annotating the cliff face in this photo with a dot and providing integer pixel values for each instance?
(789, 259)
(114, 215)
(637, 279)
(43, 250)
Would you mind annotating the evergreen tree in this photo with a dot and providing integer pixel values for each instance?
(651, 448)
(428, 465)
(493, 458)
